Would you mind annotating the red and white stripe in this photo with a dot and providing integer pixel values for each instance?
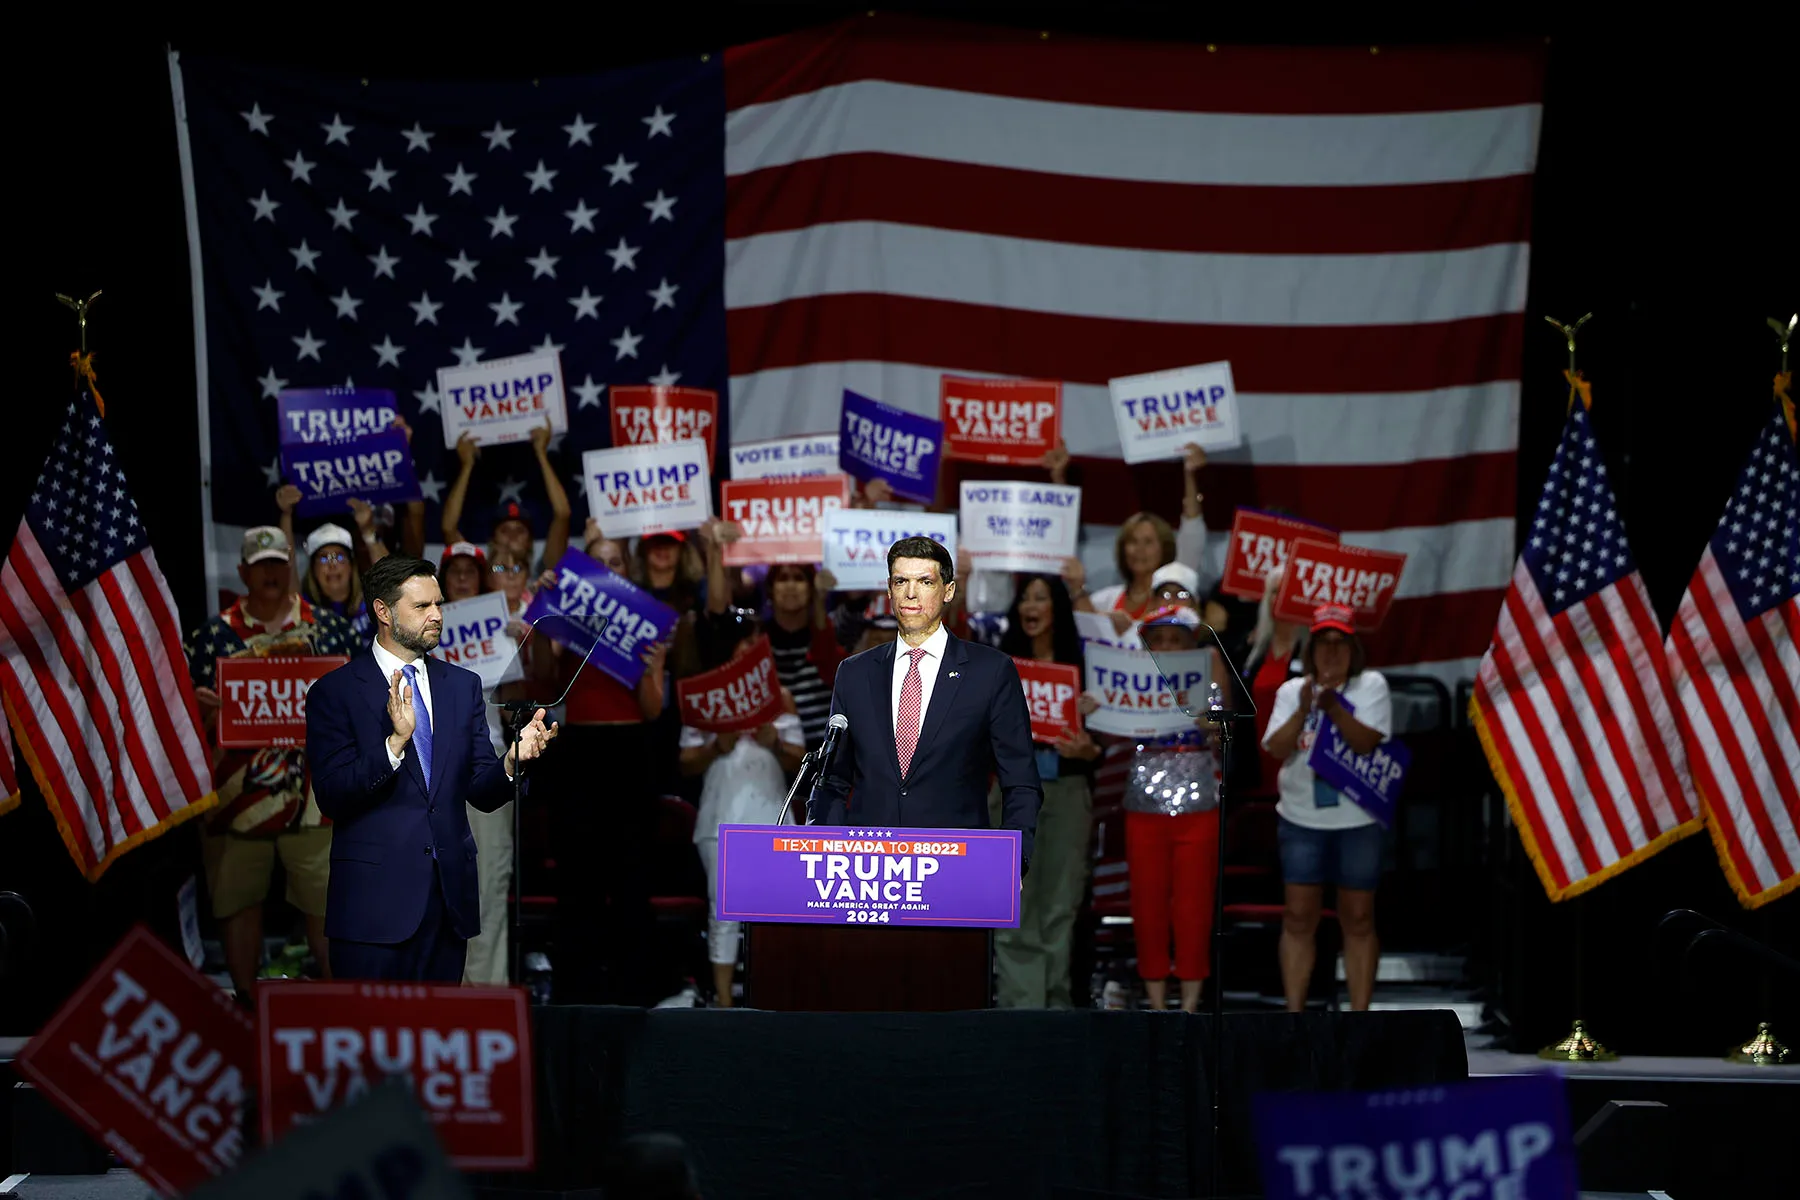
(9, 779)
(1580, 710)
(1736, 683)
(97, 685)
(908, 198)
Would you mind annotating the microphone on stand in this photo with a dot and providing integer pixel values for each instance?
(814, 762)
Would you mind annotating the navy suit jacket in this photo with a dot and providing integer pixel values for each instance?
(977, 725)
(393, 839)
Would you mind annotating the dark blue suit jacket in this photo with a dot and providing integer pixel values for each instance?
(392, 840)
(977, 724)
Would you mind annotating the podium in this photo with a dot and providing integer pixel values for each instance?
(869, 920)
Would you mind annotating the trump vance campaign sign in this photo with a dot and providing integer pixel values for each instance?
(780, 520)
(857, 541)
(504, 399)
(1331, 573)
(634, 490)
(1000, 420)
(1160, 413)
(154, 1060)
(1259, 546)
(645, 414)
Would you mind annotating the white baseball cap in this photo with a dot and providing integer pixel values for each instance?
(327, 535)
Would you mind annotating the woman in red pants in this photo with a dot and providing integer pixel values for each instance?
(1172, 833)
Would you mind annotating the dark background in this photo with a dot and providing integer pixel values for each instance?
(1658, 206)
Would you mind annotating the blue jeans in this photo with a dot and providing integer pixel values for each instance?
(1350, 858)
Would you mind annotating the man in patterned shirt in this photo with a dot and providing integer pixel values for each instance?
(265, 796)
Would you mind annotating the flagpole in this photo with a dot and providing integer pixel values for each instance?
(1579, 1045)
(80, 309)
(81, 361)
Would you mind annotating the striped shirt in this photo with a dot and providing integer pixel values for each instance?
(799, 675)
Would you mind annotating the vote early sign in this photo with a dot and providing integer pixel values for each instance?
(634, 490)
(466, 1052)
(645, 414)
(1019, 526)
(503, 399)
(152, 1059)
(1500, 1138)
(786, 874)
(782, 520)
(782, 458)
(262, 701)
(1259, 546)
(1160, 413)
(742, 695)
(1321, 572)
(1052, 693)
(1000, 420)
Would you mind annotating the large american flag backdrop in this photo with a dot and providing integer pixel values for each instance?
(878, 201)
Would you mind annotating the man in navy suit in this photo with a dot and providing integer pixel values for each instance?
(398, 742)
(931, 718)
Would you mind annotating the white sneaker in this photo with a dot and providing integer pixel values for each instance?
(687, 997)
(1114, 997)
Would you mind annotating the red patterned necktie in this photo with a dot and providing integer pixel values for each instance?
(906, 727)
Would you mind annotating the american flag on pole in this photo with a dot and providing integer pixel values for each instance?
(907, 197)
(90, 657)
(1573, 702)
(1731, 652)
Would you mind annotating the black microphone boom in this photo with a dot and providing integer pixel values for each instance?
(814, 762)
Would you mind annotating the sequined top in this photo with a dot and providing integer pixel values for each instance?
(1175, 774)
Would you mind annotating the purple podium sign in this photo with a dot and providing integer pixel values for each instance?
(823, 875)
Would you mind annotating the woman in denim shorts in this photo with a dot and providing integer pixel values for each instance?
(1324, 837)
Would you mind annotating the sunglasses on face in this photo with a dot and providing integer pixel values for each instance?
(332, 559)
(515, 569)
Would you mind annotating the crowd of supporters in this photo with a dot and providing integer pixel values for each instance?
(626, 767)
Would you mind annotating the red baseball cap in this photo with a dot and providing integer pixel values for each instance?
(673, 534)
(1334, 616)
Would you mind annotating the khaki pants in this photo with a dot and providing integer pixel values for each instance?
(240, 869)
(486, 962)
(1031, 963)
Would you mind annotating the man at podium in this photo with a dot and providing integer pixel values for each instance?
(932, 717)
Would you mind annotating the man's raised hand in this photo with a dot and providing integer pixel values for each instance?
(400, 712)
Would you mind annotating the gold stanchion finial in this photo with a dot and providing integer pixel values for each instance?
(1579, 1046)
(1763, 1050)
(80, 308)
(1784, 334)
(1577, 385)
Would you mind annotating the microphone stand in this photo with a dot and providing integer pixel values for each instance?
(804, 778)
(1225, 721)
(516, 709)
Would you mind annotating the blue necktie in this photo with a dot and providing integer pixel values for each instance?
(421, 738)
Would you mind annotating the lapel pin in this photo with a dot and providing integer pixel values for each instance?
(954, 674)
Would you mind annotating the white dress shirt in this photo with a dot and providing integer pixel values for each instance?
(928, 672)
(388, 663)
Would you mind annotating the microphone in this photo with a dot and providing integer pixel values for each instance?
(813, 763)
(834, 728)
